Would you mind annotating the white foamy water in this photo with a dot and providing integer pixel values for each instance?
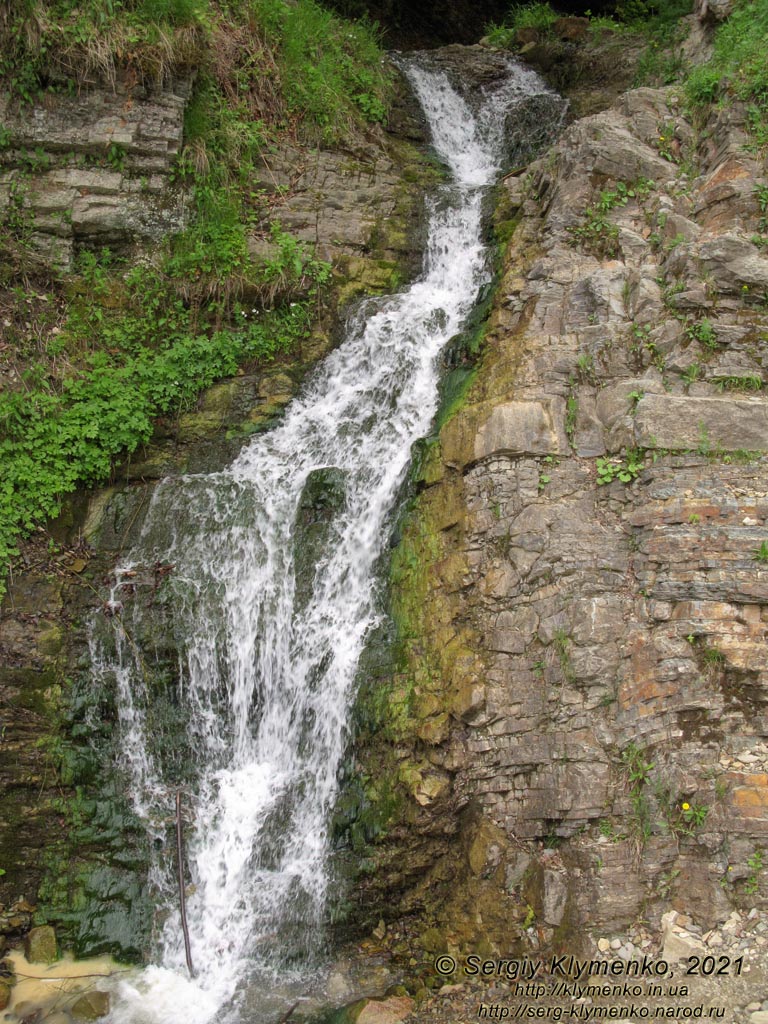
(267, 669)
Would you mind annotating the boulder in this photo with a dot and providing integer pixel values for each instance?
(735, 264)
(572, 29)
(374, 1011)
(714, 10)
(40, 945)
(386, 1011)
(555, 896)
(678, 943)
(92, 1005)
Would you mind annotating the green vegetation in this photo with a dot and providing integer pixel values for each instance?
(635, 765)
(626, 470)
(712, 657)
(761, 554)
(50, 441)
(562, 643)
(289, 60)
(130, 345)
(755, 865)
(657, 22)
(571, 417)
(677, 815)
(749, 382)
(138, 344)
(331, 71)
(538, 16)
(550, 462)
(637, 774)
(738, 68)
(704, 333)
(607, 829)
(661, 63)
(597, 233)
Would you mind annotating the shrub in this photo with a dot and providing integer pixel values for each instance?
(533, 15)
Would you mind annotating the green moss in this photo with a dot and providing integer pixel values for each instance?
(92, 889)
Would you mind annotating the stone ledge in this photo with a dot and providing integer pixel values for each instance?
(675, 421)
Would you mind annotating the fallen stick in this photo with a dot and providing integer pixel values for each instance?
(287, 1016)
(182, 894)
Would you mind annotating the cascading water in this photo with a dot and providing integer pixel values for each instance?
(267, 664)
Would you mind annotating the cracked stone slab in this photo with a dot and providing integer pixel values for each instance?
(675, 421)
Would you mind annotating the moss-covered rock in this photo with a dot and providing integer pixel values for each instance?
(92, 1006)
(40, 945)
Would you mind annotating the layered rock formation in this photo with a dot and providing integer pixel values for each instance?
(94, 170)
(581, 588)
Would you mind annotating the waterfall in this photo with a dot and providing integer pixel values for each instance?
(269, 647)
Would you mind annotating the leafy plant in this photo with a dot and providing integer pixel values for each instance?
(331, 71)
(626, 470)
(704, 333)
(694, 814)
(635, 397)
(760, 193)
(538, 16)
(692, 373)
(585, 364)
(680, 817)
(761, 554)
(562, 644)
(116, 156)
(607, 829)
(571, 416)
(597, 233)
(755, 865)
(713, 658)
(637, 769)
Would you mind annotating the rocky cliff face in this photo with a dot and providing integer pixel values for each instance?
(581, 585)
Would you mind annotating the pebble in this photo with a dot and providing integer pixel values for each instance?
(761, 1017)
(603, 945)
(615, 943)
